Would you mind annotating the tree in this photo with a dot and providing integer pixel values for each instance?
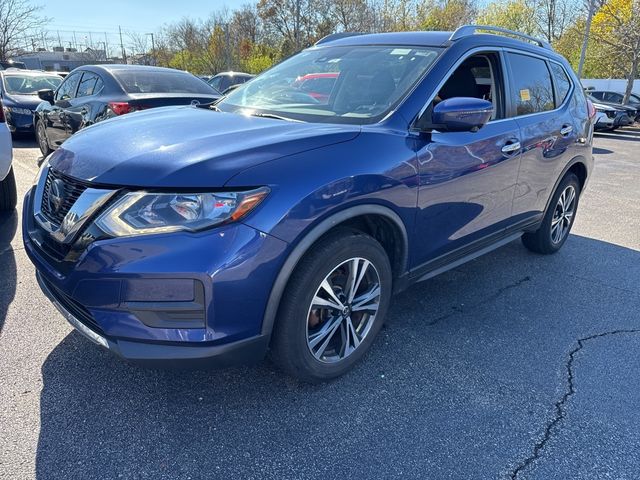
(515, 15)
(554, 17)
(17, 19)
(448, 14)
(617, 24)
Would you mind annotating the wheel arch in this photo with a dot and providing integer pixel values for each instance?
(577, 165)
(369, 218)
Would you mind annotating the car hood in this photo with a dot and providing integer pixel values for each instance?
(185, 147)
(24, 101)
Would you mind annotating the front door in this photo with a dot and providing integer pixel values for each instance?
(55, 118)
(467, 179)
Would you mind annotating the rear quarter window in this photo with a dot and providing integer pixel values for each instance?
(532, 87)
(135, 81)
(562, 83)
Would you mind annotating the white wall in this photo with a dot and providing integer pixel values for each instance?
(612, 84)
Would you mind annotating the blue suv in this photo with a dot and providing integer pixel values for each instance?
(281, 220)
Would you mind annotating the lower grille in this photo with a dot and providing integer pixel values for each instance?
(611, 114)
(74, 308)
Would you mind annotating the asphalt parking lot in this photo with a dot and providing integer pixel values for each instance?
(513, 366)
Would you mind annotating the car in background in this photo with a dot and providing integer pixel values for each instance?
(229, 80)
(317, 85)
(91, 94)
(12, 64)
(616, 98)
(620, 116)
(19, 91)
(8, 192)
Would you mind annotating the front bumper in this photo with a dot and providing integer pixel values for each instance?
(130, 295)
(246, 351)
(19, 122)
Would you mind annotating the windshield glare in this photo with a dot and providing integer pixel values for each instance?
(30, 84)
(351, 84)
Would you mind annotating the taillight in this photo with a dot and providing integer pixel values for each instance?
(591, 109)
(120, 108)
(2, 119)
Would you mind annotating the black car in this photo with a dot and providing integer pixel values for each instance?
(615, 98)
(91, 94)
(19, 91)
(225, 80)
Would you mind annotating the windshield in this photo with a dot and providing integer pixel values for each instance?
(137, 81)
(351, 84)
(30, 84)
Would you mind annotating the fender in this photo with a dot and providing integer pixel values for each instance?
(310, 238)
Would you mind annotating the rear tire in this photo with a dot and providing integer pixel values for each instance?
(41, 138)
(558, 220)
(321, 334)
(8, 192)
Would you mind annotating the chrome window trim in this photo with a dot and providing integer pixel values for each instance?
(489, 49)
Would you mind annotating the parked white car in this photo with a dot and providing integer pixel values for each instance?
(8, 193)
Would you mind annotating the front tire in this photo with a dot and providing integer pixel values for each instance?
(8, 192)
(333, 307)
(558, 220)
(41, 138)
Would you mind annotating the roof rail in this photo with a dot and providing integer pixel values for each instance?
(337, 36)
(467, 30)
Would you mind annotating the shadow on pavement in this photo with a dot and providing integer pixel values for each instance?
(8, 271)
(464, 372)
(24, 140)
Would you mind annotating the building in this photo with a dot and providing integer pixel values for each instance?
(61, 59)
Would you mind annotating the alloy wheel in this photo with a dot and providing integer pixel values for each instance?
(343, 310)
(42, 139)
(563, 214)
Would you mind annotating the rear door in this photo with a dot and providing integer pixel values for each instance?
(79, 112)
(467, 179)
(540, 102)
(55, 120)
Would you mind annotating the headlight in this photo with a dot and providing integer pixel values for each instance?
(20, 111)
(145, 212)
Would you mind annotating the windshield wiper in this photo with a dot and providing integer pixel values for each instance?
(274, 116)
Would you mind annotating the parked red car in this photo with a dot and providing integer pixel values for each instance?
(317, 85)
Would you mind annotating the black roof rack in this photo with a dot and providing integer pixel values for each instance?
(337, 36)
(467, 30)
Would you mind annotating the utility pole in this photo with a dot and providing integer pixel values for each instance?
(106, 47)
(153, 50)
(124, 54)
(585, 42)
(59, 41)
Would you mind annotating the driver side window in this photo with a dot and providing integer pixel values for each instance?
(67, 89)
(478, 77)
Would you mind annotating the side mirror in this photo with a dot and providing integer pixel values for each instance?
(46, 95)
(461, 114)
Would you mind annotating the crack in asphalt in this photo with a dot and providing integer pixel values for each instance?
(461, 308)
(560, 404)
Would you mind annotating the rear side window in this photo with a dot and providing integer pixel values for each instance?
(532, 87)
(562, 83)
(139, 81)
(613, 97)
(89, 85)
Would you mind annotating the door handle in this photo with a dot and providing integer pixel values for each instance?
(511, 147)
(566, 130)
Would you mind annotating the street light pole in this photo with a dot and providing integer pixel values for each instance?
(585, 42)
(153, 50)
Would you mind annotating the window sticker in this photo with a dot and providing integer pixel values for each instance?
(525, 96)
(400, 51)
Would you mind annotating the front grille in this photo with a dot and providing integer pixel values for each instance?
(72, 190)
(74, 308)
